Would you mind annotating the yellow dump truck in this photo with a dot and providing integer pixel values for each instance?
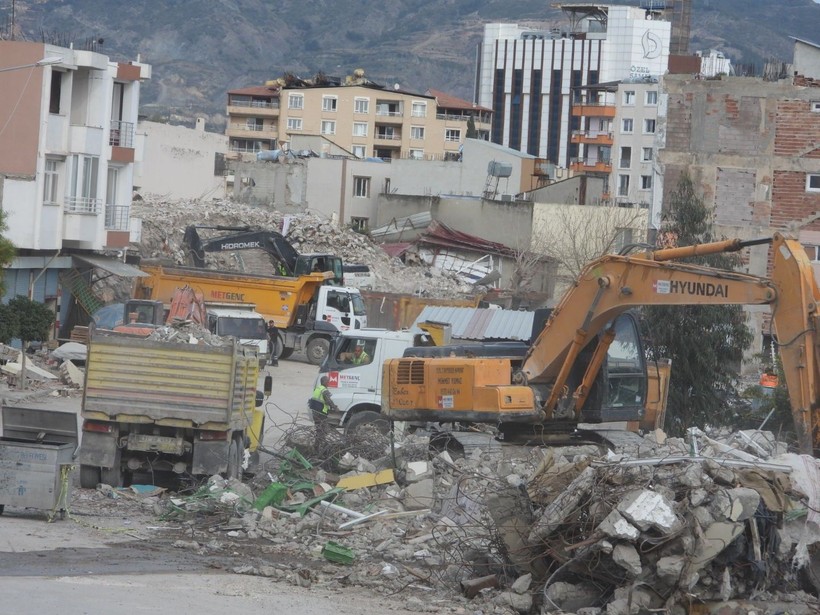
(307, 312)
(159, 406)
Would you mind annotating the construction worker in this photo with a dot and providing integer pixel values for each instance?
(358, 357)
(320, 404)
(273, 338)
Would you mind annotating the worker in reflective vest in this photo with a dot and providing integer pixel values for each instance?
(320, 404)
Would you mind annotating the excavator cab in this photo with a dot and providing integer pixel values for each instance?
(313, 263)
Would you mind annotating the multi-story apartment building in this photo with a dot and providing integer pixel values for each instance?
(362, 118)
(528, 76)
(67, 119)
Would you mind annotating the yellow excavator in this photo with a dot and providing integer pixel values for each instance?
(588, 364)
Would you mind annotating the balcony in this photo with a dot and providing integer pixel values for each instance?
(117, 217)
(391, 115)
(591, 137)
(592, 109)
(82, 205)
(388, 139)
(255, 108)
(591, 165)
(243, 131)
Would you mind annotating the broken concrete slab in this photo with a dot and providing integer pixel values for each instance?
(647, 509)
(615, 526)
(71, 374)
(419, 495)
(744, 503)
(627, 557)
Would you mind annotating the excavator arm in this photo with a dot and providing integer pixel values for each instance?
(244, 238)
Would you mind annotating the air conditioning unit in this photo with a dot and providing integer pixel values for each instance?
(507, 197)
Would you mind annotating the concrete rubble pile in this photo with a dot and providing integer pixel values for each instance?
(570, 530)
(164, 223)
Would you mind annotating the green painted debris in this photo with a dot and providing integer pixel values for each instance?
(273, 495)
(335, 552)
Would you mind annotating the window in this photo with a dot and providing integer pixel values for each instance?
(629, 97)
(419, 109)
(646, 154)
(452, 134)
(82, 192)
(329, 103)
(328, 127)
(417, 154)
(296, 101)
(253, 123)
(626, 125)
(361, 105)
(815, 106)
(648, 126)
(813, 182)
(359, 151)
(646, 182)
(623, 185)
(813, 252)
(359, 224)
(626, 158)
(359, 129)
(417, 132)
(56, 92)
(50, 180)
(361, 187)
(651, 98)
(294, 123)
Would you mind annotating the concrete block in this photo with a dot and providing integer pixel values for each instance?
(418, 470)
(615, 526)
(647, 509)
(715, 539)
(521, 603)
(71, 374)
(418, 496)
(522, 584)
(627, 557)
(570, 597)
(669, 568)
(744, 503)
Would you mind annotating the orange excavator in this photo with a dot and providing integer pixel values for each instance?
(143, 316)
(588, 364)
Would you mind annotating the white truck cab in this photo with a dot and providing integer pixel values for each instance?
(246, 325)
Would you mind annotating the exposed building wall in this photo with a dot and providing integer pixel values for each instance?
(806, 59)
(178, 162)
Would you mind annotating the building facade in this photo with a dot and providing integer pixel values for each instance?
(67, 154)
(528, 76)
(363, 119)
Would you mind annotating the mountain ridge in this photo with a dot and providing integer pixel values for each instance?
(200, 49)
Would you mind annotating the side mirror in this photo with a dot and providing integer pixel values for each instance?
(268, 385)
(260, 398)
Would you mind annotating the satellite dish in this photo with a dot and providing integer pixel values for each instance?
(396, 86)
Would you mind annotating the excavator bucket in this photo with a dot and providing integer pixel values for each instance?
(187, 304)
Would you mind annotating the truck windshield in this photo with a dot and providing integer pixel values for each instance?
(241, 328)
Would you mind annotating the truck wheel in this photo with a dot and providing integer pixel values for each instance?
(369, 418)
(286, 352)
(317, 350)
(89, 477)
(113, 475)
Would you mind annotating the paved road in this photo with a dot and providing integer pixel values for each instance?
(76, 569)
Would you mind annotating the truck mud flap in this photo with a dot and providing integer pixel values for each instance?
(98, 449)
(210, 457)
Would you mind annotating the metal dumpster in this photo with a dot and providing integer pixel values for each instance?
(36, 454)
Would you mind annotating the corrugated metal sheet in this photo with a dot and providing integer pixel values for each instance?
(481, 323)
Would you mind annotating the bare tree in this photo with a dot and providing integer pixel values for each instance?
(574, 235)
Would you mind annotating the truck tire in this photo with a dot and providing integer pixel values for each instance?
(317, 349)
(366, 417)
(89, 477)
(286, 352)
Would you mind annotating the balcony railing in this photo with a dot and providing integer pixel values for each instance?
(388, 137)
(254, 104)
(122, 134)
(82, 205)
(387, 113)
(117, 217)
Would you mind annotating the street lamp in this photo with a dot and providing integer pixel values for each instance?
(44, 62)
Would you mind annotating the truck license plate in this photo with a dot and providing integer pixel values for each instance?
(158, 444)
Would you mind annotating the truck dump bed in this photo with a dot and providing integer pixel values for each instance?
(132, 379)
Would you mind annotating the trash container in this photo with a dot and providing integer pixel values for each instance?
(35, 474)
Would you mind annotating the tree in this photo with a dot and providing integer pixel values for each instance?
(704, 342)
(33, 323)
(6, 251)
(472, 133)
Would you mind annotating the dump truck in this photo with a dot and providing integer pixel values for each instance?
(588, 364)
(160, 406)
(306, 311)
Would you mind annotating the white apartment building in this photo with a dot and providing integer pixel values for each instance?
(67, 153)
(528, 76)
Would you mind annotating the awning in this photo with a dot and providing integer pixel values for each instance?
(112, 265)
